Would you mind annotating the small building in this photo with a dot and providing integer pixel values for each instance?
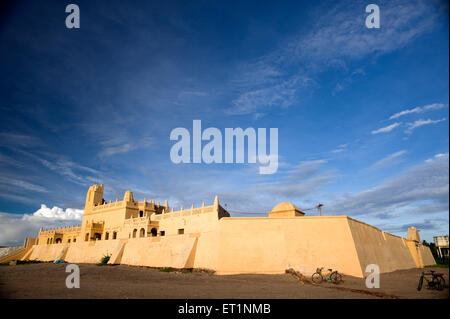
(441, 243)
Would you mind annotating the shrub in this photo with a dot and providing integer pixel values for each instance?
(105, 259)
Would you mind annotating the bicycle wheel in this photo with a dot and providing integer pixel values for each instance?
(334, 278)
(440, 283)
(338, 278)
(419, 288)
(316, 278)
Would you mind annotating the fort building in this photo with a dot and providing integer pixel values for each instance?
(145, 233)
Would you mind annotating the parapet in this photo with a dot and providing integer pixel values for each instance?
(215, 208)
(60, 230)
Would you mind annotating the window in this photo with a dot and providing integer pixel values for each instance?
(106, 236)
(181, 231)
(68, 241)
(142, 232)
(134, 233)
(154, 232)
(58, 240)
(74, 240)
(163, 233)
(97, 236)
(141, 213)
(86, 238)
(115, 235)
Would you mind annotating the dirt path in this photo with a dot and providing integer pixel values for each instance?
(48, 281)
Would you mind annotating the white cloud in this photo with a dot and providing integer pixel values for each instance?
(418, 109)
(388, 160)
(19, 140)
(386, 129)
(421, 122)
(340, 148)
(336, 37)
(437, 156)
(113, 149)
(14, 228)
(55, 213)
(306, 169)
(194, 93)
(281, 95)
(75, 173)
(425, 183)
(22, 185)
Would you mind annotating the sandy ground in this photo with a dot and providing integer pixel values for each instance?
(48, 281)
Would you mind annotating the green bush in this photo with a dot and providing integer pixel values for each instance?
(104, 259)
(441, 261)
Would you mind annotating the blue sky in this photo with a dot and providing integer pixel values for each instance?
(362, 114)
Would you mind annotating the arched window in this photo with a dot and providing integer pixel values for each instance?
(58, 240)
(106, 236)
(48, 241)
(154, 232)
(68, 241)
(134, 233)
(74, 240)
(115, 235)
(86, 238)
(142, 232)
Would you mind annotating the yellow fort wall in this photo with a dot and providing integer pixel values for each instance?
(259, 245)
(82, 252)
(90, 252)
(272, 245)
(374, 246)
(170, 251)
(206, 237)
(427, 256)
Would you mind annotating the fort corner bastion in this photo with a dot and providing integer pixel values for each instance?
(149, 234)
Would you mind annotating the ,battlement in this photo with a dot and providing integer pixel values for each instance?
(184, 212)
(120, 204)
(60, 230)
(193, 211)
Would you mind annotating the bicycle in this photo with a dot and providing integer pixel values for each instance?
(437, 281)
(332, 276)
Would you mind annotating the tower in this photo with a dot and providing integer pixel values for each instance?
(94, 197)
(413, 234)
(128, 197)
